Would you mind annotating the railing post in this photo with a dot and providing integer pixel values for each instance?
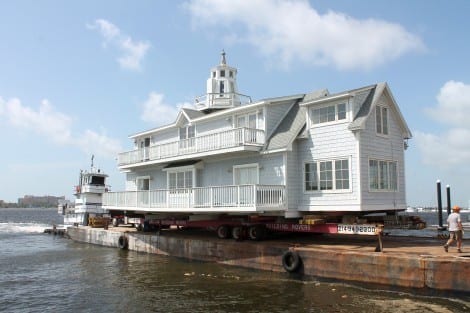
(255, 198)
(211, 194)
(238, 195)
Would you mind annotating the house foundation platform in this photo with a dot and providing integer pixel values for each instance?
(406, 262)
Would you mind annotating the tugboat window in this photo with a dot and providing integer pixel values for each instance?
(97, 180)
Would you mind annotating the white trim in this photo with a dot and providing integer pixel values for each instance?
(327, 99)
(358, 172)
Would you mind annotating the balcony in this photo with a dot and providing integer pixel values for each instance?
(237, 139)
(220, 199)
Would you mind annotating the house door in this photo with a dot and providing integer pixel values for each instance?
(180, 185)
(143, 187)
(245, 176)
(145, 146)
(187, 143)
(250, 124)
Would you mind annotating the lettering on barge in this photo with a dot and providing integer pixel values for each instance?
(352, 229)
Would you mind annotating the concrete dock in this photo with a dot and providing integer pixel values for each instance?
(409, 262)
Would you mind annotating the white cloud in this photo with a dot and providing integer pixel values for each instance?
(90, 140)
(133, 52)
(56, 127)
(292, 31)
(446, 149)
(453, 104)
(45, 121)
(451, 147)
(155, 110)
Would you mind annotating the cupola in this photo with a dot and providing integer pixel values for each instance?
(221, 89)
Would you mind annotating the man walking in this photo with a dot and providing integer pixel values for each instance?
(455, 229)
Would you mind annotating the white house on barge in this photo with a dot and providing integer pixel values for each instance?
(307, 154)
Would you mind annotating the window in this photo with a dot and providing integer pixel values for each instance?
(327, 175)
(222, 87)
(329, 113)
(230, 74)
(213, 74)
(222, 73)
(178, 180)
(383, 175)
(342, 174)
(381, 120)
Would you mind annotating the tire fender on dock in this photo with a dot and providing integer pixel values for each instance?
(291, 261)
(123, 242)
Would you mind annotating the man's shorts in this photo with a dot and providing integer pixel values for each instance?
(456, 235)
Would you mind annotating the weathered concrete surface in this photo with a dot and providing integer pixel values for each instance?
(405, 262)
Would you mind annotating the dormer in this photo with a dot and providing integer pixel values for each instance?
(221, 89)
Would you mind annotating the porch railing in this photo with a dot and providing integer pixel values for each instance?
(257, 197)
(226, 139)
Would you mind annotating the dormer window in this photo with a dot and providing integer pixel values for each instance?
(328, 114)
(381, 120)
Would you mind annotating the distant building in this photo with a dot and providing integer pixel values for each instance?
(39, 201)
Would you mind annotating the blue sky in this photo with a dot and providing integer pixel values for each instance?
(78, 77)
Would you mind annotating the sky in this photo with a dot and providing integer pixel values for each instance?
(78, 77)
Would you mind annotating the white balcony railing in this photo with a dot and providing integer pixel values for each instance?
(221, 100)
(218, 198)
(226, 139)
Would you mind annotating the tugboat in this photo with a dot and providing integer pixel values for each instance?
(87, 209)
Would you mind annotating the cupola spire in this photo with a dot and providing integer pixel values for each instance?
(223, 61)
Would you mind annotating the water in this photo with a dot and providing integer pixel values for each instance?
(45, 273)
(432, 222)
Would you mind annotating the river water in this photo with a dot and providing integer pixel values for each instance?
(46, 273)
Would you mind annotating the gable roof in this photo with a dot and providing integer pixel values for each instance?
(371, 102)
(186, 115)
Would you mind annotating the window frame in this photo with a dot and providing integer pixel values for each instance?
(382, 125)
(377, 172)
(328, 107)
(188, 174)
(333, 178)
